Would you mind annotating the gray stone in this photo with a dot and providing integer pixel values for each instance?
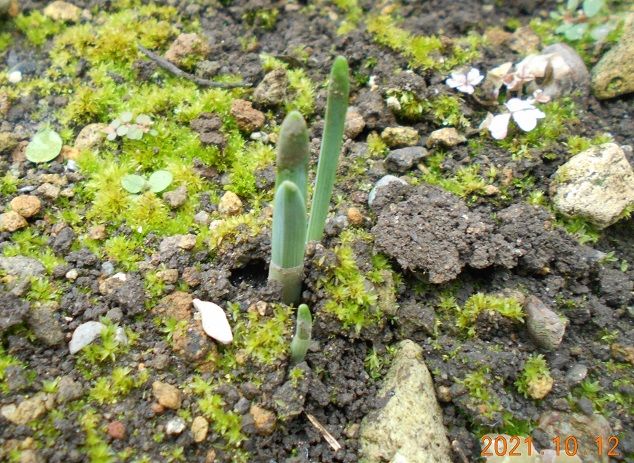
(176, 198)
(126, 290)
(382, 183)
(175, 426)
(20, 266)
(409, 426)
(559, 69)
(403, 159)
(68, 390)
(585, 429)
(13, 311)
(545, 326)
(596, 184)
(26, 411)
(45, 325)
(613, 75)
(84, 334)
(273, 89)
(576, 374)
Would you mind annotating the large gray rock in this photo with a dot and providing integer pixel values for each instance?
(614, 73)
(409, 426)
(20, 266)
(596, 184)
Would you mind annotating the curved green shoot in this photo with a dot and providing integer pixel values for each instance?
(336, 108)
(303, 331)
(288, 240)
(293, 152)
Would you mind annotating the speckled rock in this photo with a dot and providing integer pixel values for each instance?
(176, 198)
(398, 137)
(613, 75)
(200, 428)
(354, 124)
(26, 411)
(62, 11)
(12, 221)
(409, 426)
(273, 89)
(167, 395)
(596, 184)
(447, 137)
(584, 428)
(545, 326)
(44, 323)
(90, 136)
(263, 419)
(230, 204)
(20, 266)
(247, 117)
(26, 205)
(187, 46)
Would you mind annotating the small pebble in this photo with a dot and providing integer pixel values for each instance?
(175, 426)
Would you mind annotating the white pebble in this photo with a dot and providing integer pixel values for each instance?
(214, 321)
(84, 334)
(175, 426)
(15, 77)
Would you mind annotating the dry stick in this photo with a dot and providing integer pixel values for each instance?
(169, 67)
(324, 432)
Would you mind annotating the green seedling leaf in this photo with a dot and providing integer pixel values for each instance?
(576, 32)
(599, 33)
(160, 180)
(44, 147)
(134, 133)
(126, 117)
(572, 5)
(133, 183)
(592, 7)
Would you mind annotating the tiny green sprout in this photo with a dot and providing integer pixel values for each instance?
(157, 182)
(303, 331)
(44, 147)
(124, 127)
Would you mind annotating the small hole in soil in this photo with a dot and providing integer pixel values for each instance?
(254, 273)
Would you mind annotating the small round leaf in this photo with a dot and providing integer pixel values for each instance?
(134, 132)
(160, 180)
(126, 117)
(44, 147)
(592, 7)
(133, 183)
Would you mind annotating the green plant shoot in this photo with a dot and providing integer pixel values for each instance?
(332, 140)
(288, 240)
(303, 330)
(293, 152)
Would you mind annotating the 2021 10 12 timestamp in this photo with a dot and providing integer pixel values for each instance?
(515, 446)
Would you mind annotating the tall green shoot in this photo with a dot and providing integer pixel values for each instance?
(336, 108)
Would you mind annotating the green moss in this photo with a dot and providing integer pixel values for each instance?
(353, 15)
(37, 27)
(117, 386)
(233, 228)
(29, 243)
(580, 228)
(7, 361)
(108, 347)
(266, 341)
(534, 372)
(466, 183)
(8, 184)
(423, 52)
(5, 41)
(43, 290)
(95, 446)
(479, 302)
(264, 18)
(226, 423)
(123, 249)
(479, 387)
(376, 146)
(302, 92)
(577, 143)
(551, 130)
(243, 169)
(447, 111)
(352, 294)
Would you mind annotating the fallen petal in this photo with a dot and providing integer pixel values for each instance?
(474, 77)
(466, 89)
(527, 120)
(214, 321)
(499, 126)
(516, 104)
(84, 334)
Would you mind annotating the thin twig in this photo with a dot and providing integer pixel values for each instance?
(324, 432)
(173, 69)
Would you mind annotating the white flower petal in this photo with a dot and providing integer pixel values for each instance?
(474, 77)
(515, 104)
(214, 321)
(453, 83)
(486, 122)
(466, 89)
(526, 120)
(499, 125)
